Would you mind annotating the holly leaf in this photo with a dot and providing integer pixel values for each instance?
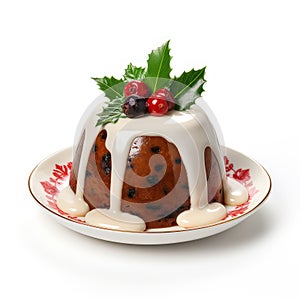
(111, 113)
(187, 88)
(158, 67)
(112, 87)
(134, 73)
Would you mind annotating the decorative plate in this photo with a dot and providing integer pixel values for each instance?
(52, 174)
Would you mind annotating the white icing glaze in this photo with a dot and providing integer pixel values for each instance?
(71, 204)
(117, 220)
(191, 131)
(235, 192)
(209, 214)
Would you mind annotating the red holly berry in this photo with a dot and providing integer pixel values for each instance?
(166, 95)
(157, 106)
(136, 87)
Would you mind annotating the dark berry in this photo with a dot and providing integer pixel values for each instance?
(165, 191)
(106, 158)
(185, 186)
(95, 148)
(152, 179)
(106, 163)
(134, 106)
(103, 134)
(166, 95)
(129, 165)
(155, 149)
(107, 170)
(158, 168)
(131, 192)
(157, 106)
(88, 173)
(136, 87)
(178, 160)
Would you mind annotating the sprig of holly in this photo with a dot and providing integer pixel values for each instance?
(185, 88)
(111, 113)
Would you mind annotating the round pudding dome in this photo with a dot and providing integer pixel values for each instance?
(148, 172)
(148, 153)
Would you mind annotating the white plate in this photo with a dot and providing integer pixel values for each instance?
(52, 174)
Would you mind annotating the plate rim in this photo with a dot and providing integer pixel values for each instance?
(161, 232)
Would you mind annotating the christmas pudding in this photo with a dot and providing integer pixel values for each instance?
(147, 154)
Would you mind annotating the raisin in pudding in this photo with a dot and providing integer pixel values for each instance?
(147, 155)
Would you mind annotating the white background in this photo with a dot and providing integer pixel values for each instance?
(50, 49)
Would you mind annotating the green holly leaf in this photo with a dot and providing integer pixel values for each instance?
(187, 88)
(112, 87)
(158, 69)
(134, 73)
(111, 113)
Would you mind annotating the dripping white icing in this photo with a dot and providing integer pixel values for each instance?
(71, 204)
(117, 221)
(196, 217)
(191, 131)
(235, 192)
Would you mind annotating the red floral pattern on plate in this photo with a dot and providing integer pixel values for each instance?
(53, 186)
(243, 176)
(61, 175)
